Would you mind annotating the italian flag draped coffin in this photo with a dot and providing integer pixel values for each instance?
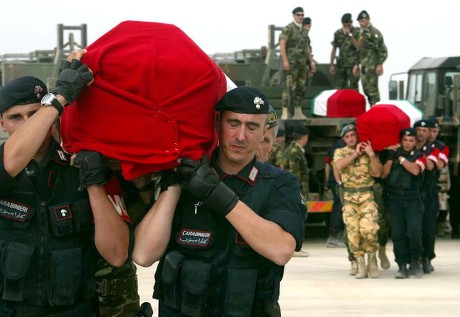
(342, 103)
(382, 124)
(151, 102)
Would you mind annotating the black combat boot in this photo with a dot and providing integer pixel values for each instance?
(402, 272)
(416, 268)
(427, 267)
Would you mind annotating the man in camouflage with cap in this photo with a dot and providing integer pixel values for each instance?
(223, 230)
(358, 164)
(372, 54)
(296, 162)
(265, 148)
(295, 55)
(346, 40)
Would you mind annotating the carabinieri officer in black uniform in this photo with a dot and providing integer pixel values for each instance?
(49, 225)
(223, 242)
(402, 173)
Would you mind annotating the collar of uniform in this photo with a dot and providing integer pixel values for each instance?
(299, 146)
(58, 155)
(248, 174)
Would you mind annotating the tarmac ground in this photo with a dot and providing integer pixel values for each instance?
(320, 285)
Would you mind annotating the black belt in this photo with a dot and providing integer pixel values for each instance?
(118, 286)
(357, 190)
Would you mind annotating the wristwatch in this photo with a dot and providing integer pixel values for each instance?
(350, 35)
(50, 100)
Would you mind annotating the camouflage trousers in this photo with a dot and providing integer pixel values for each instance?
(370, 82)
(360, 216)
(384, 216)
(295, 80)
(345, 79)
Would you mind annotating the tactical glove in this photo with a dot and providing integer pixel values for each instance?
(202, 182)
(169, 178)
(92, 168)
(71, 80)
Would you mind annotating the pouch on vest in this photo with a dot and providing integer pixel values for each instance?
(171, 279)
(195, 281)
(239, 296)
(65, 276)
(14, 265)
(60, 220)
(265, 292)
(82, 216)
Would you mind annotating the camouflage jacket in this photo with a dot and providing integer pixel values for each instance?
(277, 158)
(297, 42)
(358, 174)
(297, 164)
(348, 54)
(372, 48)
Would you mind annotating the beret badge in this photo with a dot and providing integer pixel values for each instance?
(38, 91)
(258, 102)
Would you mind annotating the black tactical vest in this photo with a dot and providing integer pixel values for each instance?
(46, 236)
(400, 180)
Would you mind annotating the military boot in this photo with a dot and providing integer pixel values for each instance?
(284, 113)
(416, 268)
(384, 262)
(354, 268)
(402, 272)
(298, 115)
(362, 269)
(427, 267)
(372, 267)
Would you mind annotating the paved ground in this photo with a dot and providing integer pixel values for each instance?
(320, 286)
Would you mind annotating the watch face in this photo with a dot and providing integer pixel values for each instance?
(47, 99)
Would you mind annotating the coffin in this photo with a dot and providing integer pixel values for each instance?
(152, 100)
(343, 103)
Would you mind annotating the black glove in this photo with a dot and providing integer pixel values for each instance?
(202, 182)
(391, 155)
(169, 178)
(92, 168)
(71, 80)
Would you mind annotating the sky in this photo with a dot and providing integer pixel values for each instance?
(411, 29)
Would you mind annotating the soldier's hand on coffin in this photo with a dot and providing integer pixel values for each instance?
(92, 168)
(203, 183)
(73, 77)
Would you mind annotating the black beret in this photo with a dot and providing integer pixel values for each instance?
(301, 130)
(244, 99)
(21, 91)
(421, 124)
(272, 119)
(306, 20)
(280, 133)
(363, 15)
(432, 122)
(346, 18)
(347, 128)
(296, 10)
(408, 132)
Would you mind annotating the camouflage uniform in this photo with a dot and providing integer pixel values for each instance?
(297, 164)
(347, 59)
(117, 287)
(373, 52)
(278, 158)
(296, 49)
(360, 212)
